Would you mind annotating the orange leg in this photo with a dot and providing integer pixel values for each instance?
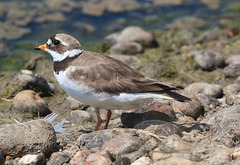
(109, 113)
(99, 120)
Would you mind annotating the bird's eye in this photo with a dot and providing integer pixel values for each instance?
(56, 42)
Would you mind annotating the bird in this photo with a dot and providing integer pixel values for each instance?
(101, 81)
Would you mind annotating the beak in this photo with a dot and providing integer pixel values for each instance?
(41, 47)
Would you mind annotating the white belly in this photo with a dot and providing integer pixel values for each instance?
(83, 93)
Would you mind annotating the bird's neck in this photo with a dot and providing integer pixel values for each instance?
(63, 64)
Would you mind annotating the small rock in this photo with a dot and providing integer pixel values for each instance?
(59, 158)
(236, 153)
(79, 157)
(195, 89)
(152, 110)
(30, 104)
(22, 138)
(232, 70)
(142, 161)
(208, 60)
(232, 89)
(97, 158)
(192, 108)
(29, 159)
(233, 60)
(80, 116)
(26, 79)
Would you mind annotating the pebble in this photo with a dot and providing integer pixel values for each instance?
(79, 157)
(208, 60)
(30, 159)
(21, 138)
(96, 158)
(232, 70)
(30, 104)
(142, 161)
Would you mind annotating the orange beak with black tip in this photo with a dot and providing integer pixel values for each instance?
(41, 47)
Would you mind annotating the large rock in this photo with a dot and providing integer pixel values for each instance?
(152, 110)
(26, 79)
(30, 104)
(135, 37)
(208, 60)
(23, 138)
(225, 126)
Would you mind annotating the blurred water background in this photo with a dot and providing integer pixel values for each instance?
(27, 23)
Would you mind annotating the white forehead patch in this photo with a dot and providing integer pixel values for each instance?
(49, 42)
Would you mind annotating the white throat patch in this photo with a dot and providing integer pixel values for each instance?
(59, 57)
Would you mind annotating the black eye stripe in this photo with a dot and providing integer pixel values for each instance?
(56, 42)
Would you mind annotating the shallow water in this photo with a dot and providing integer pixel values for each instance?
(151, 17)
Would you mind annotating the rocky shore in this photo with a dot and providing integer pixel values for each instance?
(40, 124)
(202, 131)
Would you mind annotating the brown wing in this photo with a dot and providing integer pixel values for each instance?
(106, 74)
